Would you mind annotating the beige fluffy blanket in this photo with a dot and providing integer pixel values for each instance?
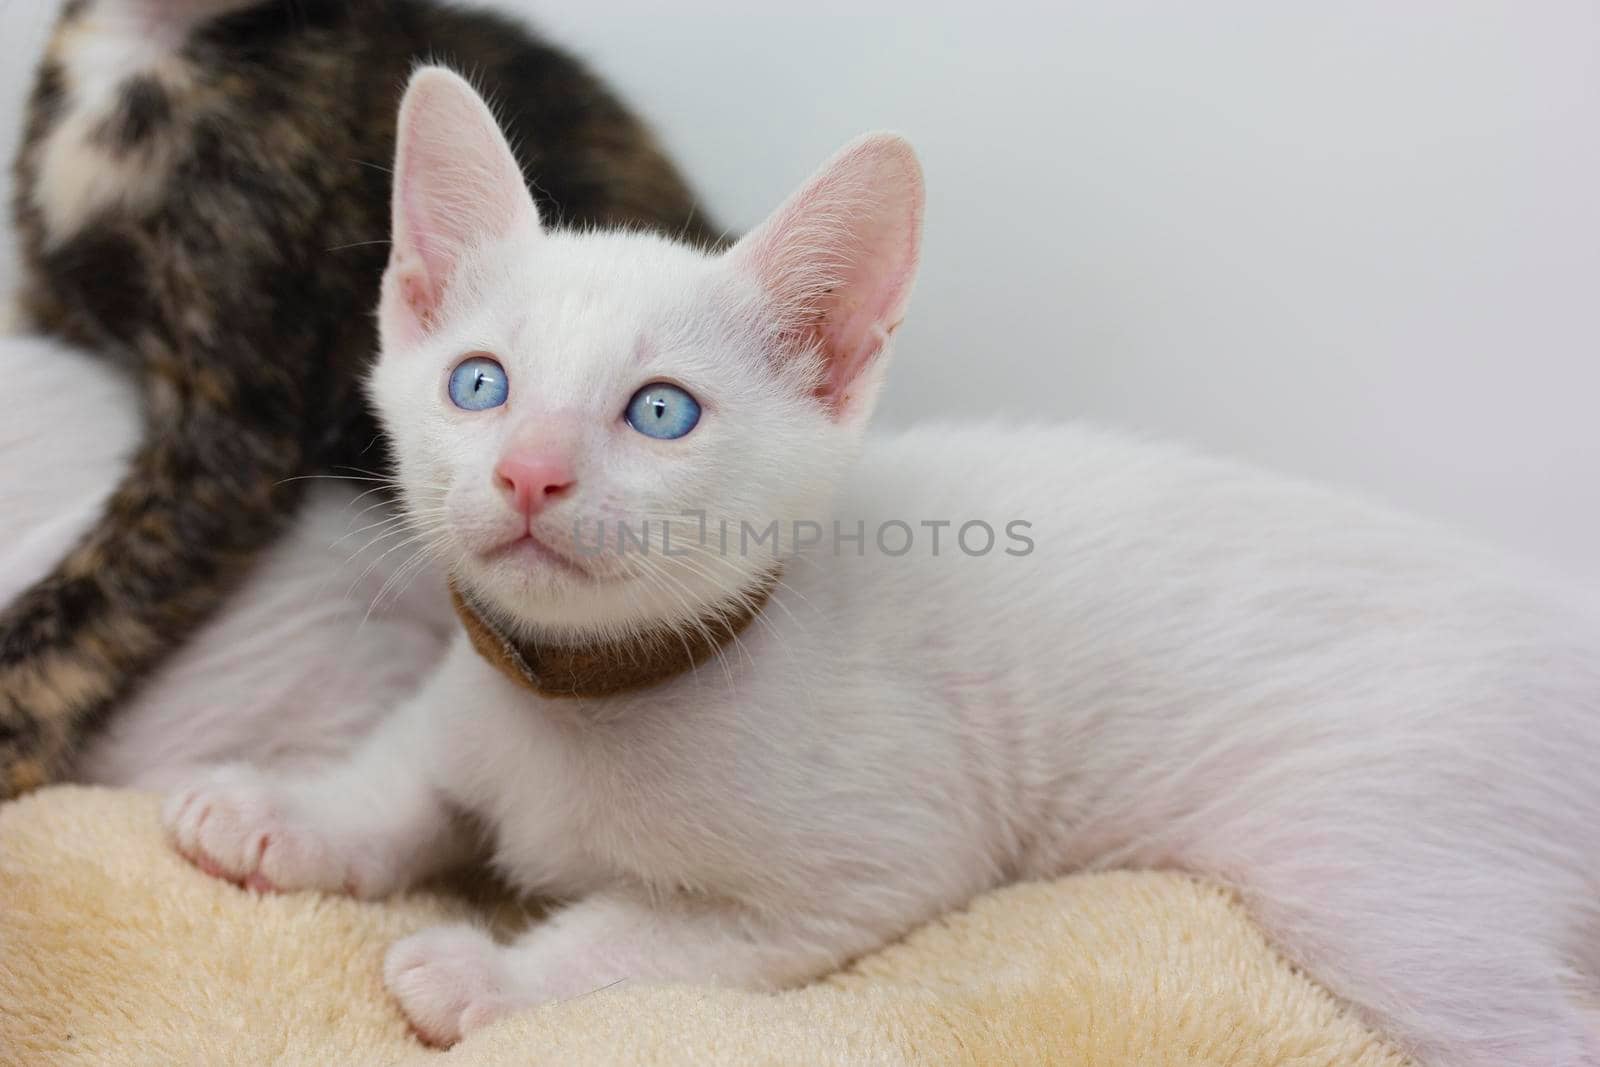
(114, 951)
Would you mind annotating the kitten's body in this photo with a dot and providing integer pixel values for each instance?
(201, 196)
(1378, 734)
(305, 658)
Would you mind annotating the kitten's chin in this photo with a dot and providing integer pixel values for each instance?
(534, 558)
(530, 583)
(557, 599)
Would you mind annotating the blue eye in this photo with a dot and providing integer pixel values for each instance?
(663, 411)
(478, 383)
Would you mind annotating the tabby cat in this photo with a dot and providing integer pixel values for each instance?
(202, 196)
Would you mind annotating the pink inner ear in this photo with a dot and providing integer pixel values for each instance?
(840, 257)
(853, 332)
(420, 294)
(457, 185)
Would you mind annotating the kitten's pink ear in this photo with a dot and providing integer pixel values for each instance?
(456, 185)
(839, 258)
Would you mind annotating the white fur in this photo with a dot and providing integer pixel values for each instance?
(1380, 734)
(294, 670)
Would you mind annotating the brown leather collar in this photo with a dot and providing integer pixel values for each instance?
(606, 667)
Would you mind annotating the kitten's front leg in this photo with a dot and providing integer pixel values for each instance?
(368, 826)
(451, 980)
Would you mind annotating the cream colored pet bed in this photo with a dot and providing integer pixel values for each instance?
(115, 951)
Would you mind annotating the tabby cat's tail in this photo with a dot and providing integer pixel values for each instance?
(204, 493)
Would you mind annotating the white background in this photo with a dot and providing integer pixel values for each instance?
(1356, 241)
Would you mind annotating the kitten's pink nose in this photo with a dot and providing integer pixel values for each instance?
(532, 480)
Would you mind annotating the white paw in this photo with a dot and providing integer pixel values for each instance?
(449, 981)
(236, 823)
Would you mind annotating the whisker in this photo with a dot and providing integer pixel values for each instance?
(656, 582)
(330, 478)
(392, 520)
(356, 244)
(694, 618)
(385, 555)
(414, 565)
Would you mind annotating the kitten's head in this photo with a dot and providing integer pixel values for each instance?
(546, 389)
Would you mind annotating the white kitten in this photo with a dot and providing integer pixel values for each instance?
(1383, 737)
(294, 670)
